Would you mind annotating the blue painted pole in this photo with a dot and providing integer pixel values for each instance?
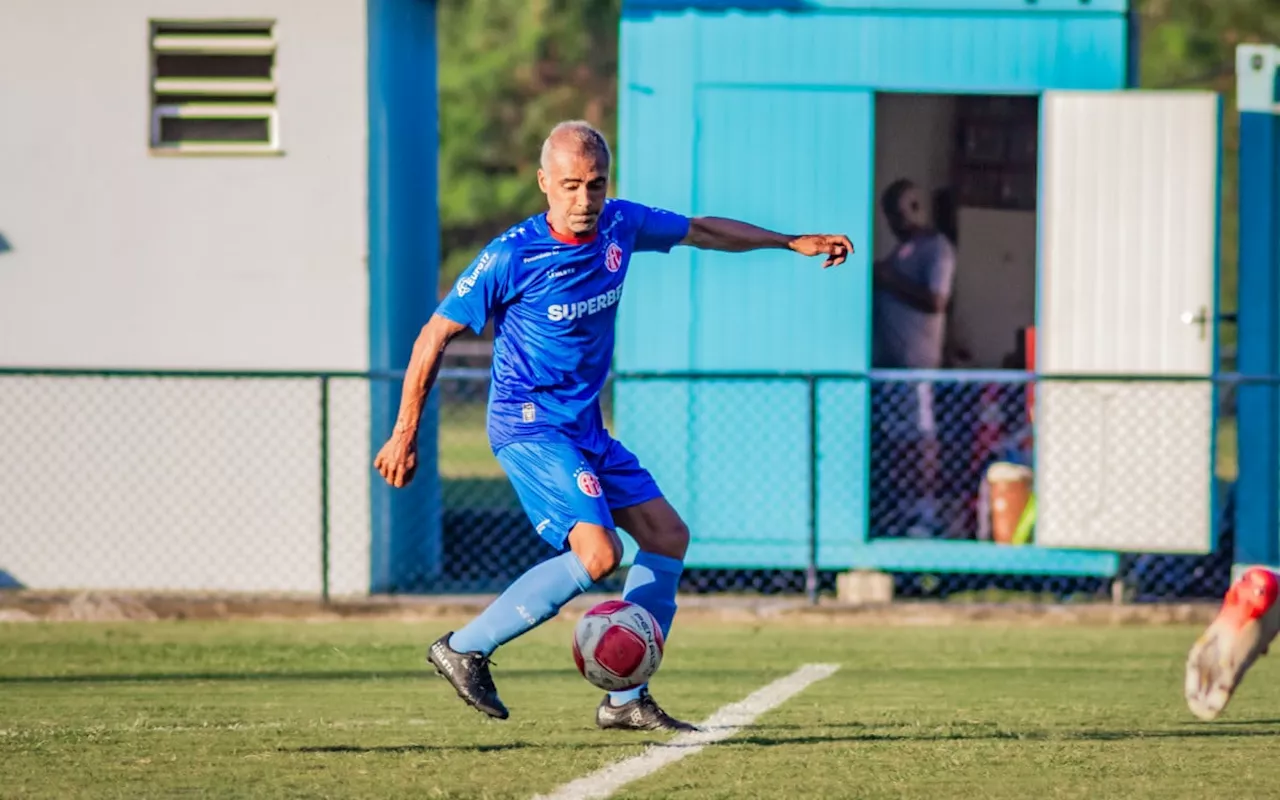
(404, 249)
(1258, 407)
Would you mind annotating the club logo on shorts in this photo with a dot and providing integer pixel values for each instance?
(613, 257)
(589, 483)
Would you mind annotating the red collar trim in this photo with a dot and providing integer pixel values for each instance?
(568, 238)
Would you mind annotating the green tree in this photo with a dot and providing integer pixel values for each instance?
(1191, 44)
(509, 70)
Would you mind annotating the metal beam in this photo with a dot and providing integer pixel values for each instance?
(403, 268)
(1258, 408)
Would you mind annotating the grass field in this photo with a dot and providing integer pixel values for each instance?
(345, 709)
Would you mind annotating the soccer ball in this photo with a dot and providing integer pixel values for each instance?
(617, 645)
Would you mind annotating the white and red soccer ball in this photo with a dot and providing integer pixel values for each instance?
(617, 645)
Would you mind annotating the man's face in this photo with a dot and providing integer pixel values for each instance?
(575, 185)
(910, 215)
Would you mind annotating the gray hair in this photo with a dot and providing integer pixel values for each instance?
(579, 136)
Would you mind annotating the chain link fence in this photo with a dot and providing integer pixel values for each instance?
(263, 483)
(938, 447)
(184, 482)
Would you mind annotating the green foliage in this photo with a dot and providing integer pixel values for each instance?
(1191, 44)
(509, 70)
(1186, 40)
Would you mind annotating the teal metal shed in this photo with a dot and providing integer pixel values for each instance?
(743, 380)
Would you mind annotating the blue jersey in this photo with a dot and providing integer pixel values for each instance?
(554, 300)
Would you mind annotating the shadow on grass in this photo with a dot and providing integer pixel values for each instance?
(284, 677)
(752, 736)
(1205, 732)
(393, 749)
(419, 748)
(315, 675)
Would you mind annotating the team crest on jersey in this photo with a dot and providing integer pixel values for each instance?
(613, 257)
(588, 483)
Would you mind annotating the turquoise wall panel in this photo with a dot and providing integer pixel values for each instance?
(652, 420)
(889, 51)
(641, 8)
(797, 161)
(843, 422)
(749, 487)
(732, 458)
(655, 166)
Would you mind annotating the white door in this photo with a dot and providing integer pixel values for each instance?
(1128, 263)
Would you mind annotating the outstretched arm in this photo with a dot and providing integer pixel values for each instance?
(733, 236)
(398, 459)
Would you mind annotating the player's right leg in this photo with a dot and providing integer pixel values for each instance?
(566, 505)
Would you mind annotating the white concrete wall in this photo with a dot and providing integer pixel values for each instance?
(121, 258)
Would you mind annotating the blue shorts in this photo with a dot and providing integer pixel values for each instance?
(560, 485)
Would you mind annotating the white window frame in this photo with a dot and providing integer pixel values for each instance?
(192, 42)
(216, 111)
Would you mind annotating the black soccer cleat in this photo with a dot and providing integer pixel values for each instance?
(643, 714)
(468, 673)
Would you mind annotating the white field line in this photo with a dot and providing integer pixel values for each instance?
(721, 725)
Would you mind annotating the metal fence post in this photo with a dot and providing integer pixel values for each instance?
(1257, 539)
(811, 576)
(324, 488)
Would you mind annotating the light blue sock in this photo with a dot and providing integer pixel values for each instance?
(534, 598)
(651, 582)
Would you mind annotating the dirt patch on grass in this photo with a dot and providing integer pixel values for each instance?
(40, 606)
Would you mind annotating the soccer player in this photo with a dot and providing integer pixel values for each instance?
(552, 284)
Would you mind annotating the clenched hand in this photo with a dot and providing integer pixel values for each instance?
(836, 247)
(398, 459)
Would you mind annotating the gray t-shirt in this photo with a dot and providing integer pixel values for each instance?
(904, 337)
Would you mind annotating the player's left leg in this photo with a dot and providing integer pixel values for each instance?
(640, 509)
